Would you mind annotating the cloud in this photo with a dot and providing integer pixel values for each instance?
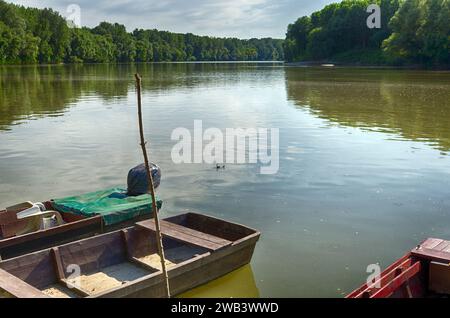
(230, 18)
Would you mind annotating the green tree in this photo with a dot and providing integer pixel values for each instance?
(297, 39)
(53, 32)
(421, 32)
(412, 31)
(434, 31)
(124, 42)
(30, 35)
(403, 43)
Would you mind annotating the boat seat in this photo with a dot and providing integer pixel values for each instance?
(186, 235)
(434, 250)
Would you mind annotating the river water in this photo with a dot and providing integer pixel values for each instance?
(364, 164)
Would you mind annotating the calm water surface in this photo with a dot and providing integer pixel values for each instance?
(364, 160)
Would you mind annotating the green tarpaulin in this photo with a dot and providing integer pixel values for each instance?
(112, 204)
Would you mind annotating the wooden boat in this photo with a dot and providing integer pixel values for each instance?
(73, 227)
(422, 273)
(125, 263)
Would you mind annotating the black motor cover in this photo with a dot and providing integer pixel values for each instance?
(138, 182)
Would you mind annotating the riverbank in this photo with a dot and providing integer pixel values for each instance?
(326, 63)
(281, 63)
(140, 63)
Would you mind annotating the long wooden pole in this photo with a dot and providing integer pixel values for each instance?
(151, 188)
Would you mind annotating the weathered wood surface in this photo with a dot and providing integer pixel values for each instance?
(214, 226)
(76, 228)
(10, 224)
(35, 269)
(386, 277)
(408, 274)
(192, 265)
(56, 258)
(189, 274)
(439, 278)
(434, 250)
(17, 288)
(7, 242)
(94, 253)
(391, 287)
(200, 268)
(184, 234)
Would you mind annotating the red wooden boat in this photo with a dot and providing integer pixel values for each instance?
(422, 273)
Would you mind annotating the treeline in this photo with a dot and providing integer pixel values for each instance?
(30, 35)
(412, 32)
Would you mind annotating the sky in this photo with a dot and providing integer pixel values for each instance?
(221, 18)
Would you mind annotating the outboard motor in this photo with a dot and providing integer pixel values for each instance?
(138, 182)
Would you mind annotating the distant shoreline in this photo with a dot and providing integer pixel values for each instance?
(138, 63)
(306, 64)
(361, 65)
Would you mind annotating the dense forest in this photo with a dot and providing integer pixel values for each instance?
(30, 35)
(412, 32)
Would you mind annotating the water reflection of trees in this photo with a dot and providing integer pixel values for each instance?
(37, 91)
(415, 105)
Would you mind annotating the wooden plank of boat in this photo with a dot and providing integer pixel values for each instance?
(11, 286)
(75, 228)
(124, 263)
(421, 273)
(399, 281)
(184, 234)
(8, 242)
(402, 279)
(433, 249)
(385, 278)
(189, 274)
(439, 278)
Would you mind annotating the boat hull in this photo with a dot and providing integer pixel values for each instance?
(422, 273)
(75, 229)
(125, 263)
(191, 274)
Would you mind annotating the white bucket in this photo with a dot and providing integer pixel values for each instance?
(49, 222)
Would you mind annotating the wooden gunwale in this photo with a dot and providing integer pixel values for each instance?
(53, 231)
(76, 230)
(397, 282)
(360, 291)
